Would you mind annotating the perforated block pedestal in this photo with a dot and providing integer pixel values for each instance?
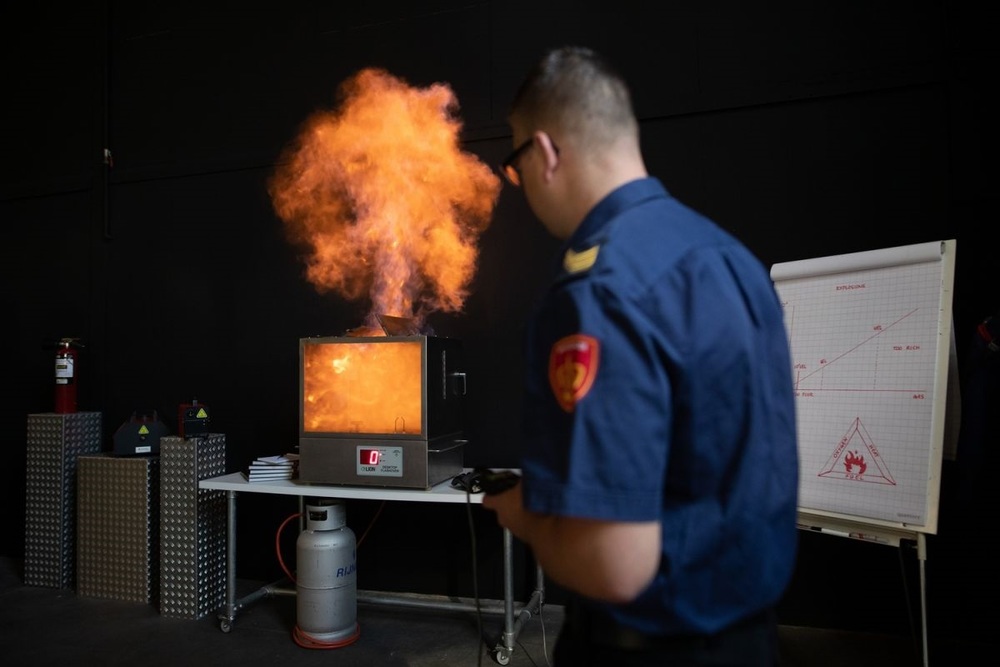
(192, 526)
(54, 445)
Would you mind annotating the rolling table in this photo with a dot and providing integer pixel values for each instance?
(235, 483)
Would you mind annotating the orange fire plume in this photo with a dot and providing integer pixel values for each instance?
(385, 200)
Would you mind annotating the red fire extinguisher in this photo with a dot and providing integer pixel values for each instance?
(66, 375)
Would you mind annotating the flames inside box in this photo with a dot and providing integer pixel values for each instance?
(381, 410)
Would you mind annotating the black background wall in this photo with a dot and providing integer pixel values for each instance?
(805, 130)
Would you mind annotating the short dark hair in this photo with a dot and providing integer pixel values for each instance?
(574, 89)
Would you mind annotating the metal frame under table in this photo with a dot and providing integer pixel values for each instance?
(514, 619)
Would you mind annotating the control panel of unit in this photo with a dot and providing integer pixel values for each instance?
(379, 461)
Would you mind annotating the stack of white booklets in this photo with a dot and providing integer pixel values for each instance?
(272, 468)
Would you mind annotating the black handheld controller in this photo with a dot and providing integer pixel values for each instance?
(495, 481)
(484, 480)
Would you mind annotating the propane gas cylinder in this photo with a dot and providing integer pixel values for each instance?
(326, 578)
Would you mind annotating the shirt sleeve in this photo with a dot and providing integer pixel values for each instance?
(603, 454)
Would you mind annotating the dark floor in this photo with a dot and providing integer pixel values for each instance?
(47, 626)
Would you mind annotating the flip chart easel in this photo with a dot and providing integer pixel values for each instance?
(871, 346)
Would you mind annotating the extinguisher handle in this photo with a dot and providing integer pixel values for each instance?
(55, 343)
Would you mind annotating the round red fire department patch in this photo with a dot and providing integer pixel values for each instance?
(572, 368)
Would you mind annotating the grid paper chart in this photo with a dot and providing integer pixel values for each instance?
(864, 346)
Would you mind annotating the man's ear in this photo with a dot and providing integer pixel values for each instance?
(549, 153)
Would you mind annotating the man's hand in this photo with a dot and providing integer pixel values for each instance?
(509, 509)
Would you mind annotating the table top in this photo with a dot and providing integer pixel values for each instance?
(443, 492)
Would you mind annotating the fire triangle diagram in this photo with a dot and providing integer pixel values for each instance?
(857, 459)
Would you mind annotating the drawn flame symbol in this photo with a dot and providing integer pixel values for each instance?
(853, 460)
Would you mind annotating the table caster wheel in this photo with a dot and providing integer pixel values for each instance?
(225, 625)
(502, 656)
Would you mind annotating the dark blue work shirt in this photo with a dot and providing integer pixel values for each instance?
(659, 388)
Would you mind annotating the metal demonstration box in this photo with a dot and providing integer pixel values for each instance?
(192, 526)
(55, 443)
(381, 410)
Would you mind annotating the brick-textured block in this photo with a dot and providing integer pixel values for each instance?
(118, 528)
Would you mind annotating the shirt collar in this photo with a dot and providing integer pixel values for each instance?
(618, 200)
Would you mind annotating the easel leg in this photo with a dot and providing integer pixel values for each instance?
(922, 558)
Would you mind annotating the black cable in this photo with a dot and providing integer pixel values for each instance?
(527, 654)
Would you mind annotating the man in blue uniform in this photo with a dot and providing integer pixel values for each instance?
(659, 463)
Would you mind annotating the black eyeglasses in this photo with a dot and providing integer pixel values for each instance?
(508, 168)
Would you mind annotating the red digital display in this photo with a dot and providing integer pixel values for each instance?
(369, 457)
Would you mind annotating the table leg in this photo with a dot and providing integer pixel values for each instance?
(512, 627)
(228, 613)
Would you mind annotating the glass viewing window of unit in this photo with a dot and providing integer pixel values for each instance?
(362, 387)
